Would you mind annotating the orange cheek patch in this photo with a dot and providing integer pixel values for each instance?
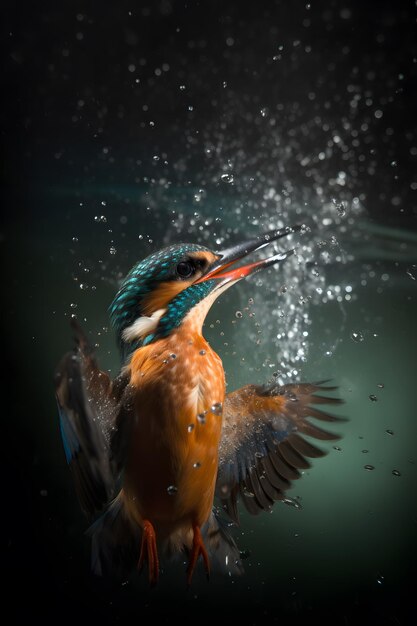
(166, 291)
(162, 294)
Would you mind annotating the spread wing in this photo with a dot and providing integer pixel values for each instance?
(94, 420)
(262, 448)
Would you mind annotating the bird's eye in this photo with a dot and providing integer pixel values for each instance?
(185, 269)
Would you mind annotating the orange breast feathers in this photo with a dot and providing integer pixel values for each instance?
(179, 393)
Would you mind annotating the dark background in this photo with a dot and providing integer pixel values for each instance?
(128, 101)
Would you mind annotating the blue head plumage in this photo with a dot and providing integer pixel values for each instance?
(174, 269)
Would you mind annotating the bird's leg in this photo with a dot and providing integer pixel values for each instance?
(197, 549)
(148, 552)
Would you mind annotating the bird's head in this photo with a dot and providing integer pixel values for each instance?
(180, 283)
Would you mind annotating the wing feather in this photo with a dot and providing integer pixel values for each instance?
(262, 448)
(90, 408)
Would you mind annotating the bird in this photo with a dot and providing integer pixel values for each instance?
(161, 455)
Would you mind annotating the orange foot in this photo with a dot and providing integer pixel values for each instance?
(148, 552)
(197, 549)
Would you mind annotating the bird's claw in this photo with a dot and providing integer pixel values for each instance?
(148, 552)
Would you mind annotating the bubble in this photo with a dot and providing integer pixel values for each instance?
(202, 352)
(380, 385)
(357, 336)
(196, 465)
(373, 398)
(100, 218)
(172, 490)
(389, 431)
(190, 428)
(112, 250)
(83, 286)
(73, 305)
(173, 356)
(250, 301)
(227, 178)
(337, 448)
(202, 417)
(365, 451)
(75, 239)
(369, 468)
(238, 314)
(395, 472)
(380, 579)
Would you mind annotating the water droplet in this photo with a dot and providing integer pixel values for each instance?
(357, 336)
(380, 385)
(173, 356)
(238, 314)
(396, 472)
(389, 431)
(365, 451)
(264, 112)
(380, 579)
(73, 305)
(373, 398)
(369, 467)
(202, 352)
(172, 490)
(259, 455)
(250, 301)
(190, 428)
(202, 417)
(100, 218)
(196, 465)
(411, 271)
(75, 239)
(340, 207)
(83, 286)
(292, 502)
(337, 448)
(217, 408)
(198, 196)
(248, 493)
(227, 178)
(112, 250)
(182, 87)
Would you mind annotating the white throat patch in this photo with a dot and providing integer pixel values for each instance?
(142, 326)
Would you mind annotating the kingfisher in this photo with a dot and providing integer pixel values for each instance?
(161, 454)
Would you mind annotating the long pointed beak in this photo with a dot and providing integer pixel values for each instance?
(231, 255)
